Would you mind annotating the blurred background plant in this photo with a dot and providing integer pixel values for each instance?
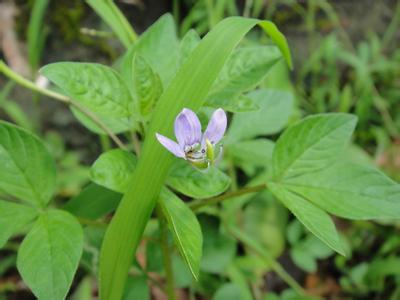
(346, 59)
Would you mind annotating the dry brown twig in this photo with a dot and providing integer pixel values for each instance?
(9, 43)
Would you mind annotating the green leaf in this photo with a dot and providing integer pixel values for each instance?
(147, 85)
(137, 288)
(98, 88)
(245, 68)
(219, 250)
(159, 45)
(28, 171)
(278, 38)
(49, 255)
(229, 291)
(36, 33)
(311, 216)
(113, 169)
(185, 228)
(197, 184)
(93, 202)
(264, 219)
(13, 217)
(114, 18)
(311, 144)
(188, 88)
(187, 45)
(233, 103)
(275, 109)
(256, 152)
(350, 191)
(303, 259)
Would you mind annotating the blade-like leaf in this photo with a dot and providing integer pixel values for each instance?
(13, 217)
(312, 144)
(189, 88)
(50, 253)
(312, 217)
(350, 191)
(185, 228)
(194, 183)
(113, 169)
(28, 171)
(275, 109)
(157, 41)
(99, 88)
(110, 14)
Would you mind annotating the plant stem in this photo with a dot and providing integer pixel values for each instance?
(32, 86)
(196, 204)
(167, 261)
(259, 251)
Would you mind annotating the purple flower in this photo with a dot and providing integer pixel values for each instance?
(192, 145)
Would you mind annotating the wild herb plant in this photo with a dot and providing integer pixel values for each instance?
(158, 83)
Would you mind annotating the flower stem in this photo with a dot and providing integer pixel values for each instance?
(32, 86)
(196, 204)
(167, 261)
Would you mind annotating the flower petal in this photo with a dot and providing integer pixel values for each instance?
(187, 128)
(171, 146)
(216, 127)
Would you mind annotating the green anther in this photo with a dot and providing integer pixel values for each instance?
(209, 151)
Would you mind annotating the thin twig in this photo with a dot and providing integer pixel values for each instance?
(196, 204)
(70, 102)
(167, 261)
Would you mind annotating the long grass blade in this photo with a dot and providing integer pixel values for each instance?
(188, 89)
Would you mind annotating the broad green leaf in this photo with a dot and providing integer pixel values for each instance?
(275, 109)
(136, 288)
(93, 202)
(312, 217)
(303, 259)
(218, 249)
(233, 103)
(113, 168)
(350, 191)
(13, 217)
(256, 152)
(159, 45)
(49, 255)
(188, 88)
(312, 144)
(265, 219)
(229, 291)
(187, 44)
(244, 69)
(197, 184)
(114, 18)
(98, 88)
(185, 228)
(27, 169)
(147, 86)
